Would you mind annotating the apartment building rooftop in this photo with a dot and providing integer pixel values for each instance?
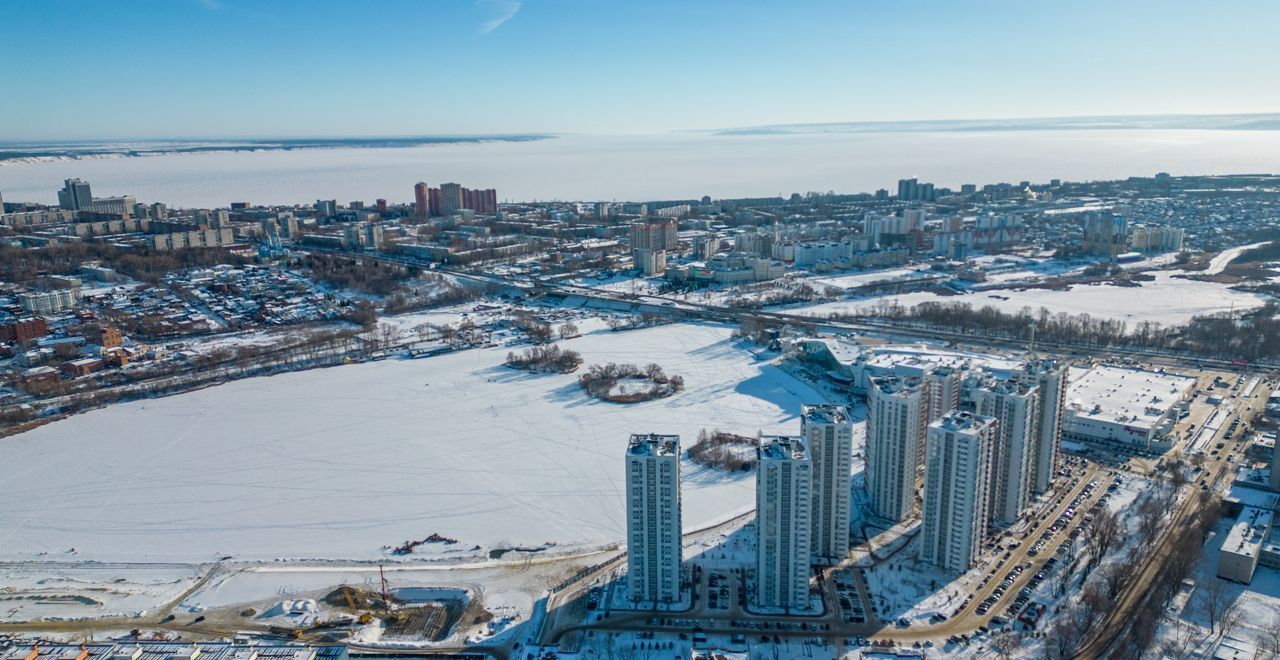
(653, 444)
(960, 420)
(825, 413)
(1008, 386)
(896, 385)
(1042, 365)
(782, 448)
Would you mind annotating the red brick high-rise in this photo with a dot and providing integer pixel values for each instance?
(421, 200)
(480, 201)
(437, 202)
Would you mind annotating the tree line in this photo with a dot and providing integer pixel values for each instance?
(545, 358)
(1251, 336)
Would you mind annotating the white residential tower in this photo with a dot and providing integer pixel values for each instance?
(957, 479)
(897, 416)
(653, 518)
(828, 431)
(784, 479)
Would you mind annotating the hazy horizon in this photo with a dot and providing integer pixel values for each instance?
(941, 124)
(672, 166)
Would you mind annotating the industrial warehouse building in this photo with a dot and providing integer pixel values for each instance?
(1129, 409)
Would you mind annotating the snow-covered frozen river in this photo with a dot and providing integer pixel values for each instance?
(338, 463)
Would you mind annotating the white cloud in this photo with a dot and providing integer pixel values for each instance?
(503, 11)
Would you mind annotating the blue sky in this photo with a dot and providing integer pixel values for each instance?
(78, 69)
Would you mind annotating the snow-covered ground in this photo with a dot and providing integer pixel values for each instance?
(86, 591)
(868, 277)
(906, 588)
(340, 462)
(1167, 300)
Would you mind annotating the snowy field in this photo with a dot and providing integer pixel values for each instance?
(339, 463)
(869, 277)
(506, 588)
(88, 590)
(1167, 300)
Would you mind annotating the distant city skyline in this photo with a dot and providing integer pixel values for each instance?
(510, 66)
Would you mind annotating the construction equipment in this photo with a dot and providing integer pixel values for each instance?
(386, 603)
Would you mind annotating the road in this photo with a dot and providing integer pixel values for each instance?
(966, 620)
(830, 625)
(683, 309)
(1138, 592)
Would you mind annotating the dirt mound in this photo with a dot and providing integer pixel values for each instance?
(355, 598)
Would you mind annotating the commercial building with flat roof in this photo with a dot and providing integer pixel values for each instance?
(1129, 408)
(1242, 549)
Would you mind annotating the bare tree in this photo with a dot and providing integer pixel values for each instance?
(1006, 644)
(1104, 532)
(66, 350)
(1232, 614)
(1269, 640)
(1112, 578)
(387, 335)
(1178, 474)
(539, 333)
(1064, 637)
(1150, 513)
(1146, 622)
(568, 330)
(1094, 604)
(1214, 600)
(1181, 640)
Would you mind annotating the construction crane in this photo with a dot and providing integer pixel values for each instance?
(386, 604)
